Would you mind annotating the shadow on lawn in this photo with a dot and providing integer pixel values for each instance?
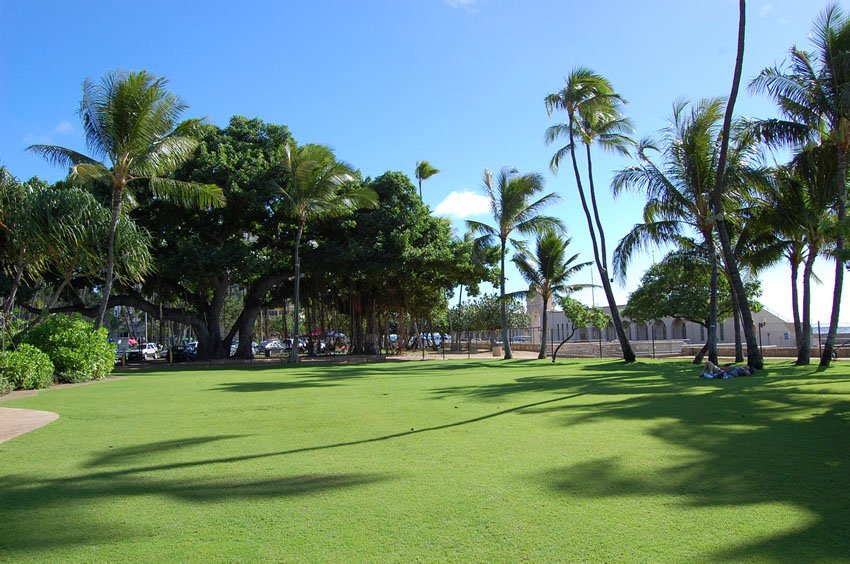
(737, 443)
(65, 520)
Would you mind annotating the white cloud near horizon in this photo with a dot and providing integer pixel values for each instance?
(64, 127)
(462, 205)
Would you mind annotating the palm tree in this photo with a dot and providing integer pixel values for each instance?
(131, 121)
(512, 211)
(547, 272)
(812, 98)
(680, 190)
(794, 211)
(424, 171)
(315, 187)
(593, 115)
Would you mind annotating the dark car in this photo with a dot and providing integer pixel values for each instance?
(183, 353)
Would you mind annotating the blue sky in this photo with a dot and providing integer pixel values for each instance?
(386, 83)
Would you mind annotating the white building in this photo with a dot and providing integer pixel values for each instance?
(774, 330)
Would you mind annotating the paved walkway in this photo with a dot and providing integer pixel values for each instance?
(14, 422)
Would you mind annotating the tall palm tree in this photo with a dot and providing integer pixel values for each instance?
(680, 189)
(424, 171)
(512, 210)
(795, 211)
(131, 121)
(548, 270)
(593, 116)
(812, 97)
(315, 186)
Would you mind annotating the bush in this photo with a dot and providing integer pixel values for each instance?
(5, 386)
(78, 352)
(26, 368)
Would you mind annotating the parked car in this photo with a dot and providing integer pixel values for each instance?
(183, 353)
(271, 347)
(234, 345)
(144, 351)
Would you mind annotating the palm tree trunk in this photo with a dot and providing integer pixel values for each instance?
(544, 320)
(754, 358)
(602, 245)
(117, 200)
(628, 353)
(712, 301)
(804, 341)
(736, 316)
(841, 214)
(293, 352)
(505, 342)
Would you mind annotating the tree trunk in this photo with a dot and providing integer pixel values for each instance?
(736, 316)
(701, 354)
(754, 358)
(628, 353)
(544, 318)
(117, 201)
(712, 307)
(296, 304)
(804, 339)
(16, 283)
(841, 213)
(505, 342)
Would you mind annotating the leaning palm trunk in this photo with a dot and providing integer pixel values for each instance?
(841, 214)
(628, 354)
(754, 358)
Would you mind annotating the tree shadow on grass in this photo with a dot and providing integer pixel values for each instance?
(269, 386)
(780, 438)
(65, 517)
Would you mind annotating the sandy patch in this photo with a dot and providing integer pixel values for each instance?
(14, 422)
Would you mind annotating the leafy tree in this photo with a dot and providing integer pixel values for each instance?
(424, 171)
(678, 286)
(580, 316)
(130, 119)
(513, 211)
(316, 187)
(811, 94)
(593, 116)
(547, 272)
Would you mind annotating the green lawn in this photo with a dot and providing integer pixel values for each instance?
(458, 461)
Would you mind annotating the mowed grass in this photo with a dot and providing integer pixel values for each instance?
(435, 461)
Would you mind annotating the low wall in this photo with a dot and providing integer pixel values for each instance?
(767, 351)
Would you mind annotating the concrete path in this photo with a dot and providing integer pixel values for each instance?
(14, 422)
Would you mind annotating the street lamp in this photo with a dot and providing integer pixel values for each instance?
(762, 324)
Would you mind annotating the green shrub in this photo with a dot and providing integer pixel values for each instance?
(26, 368)
(78, 352)
(5, 386)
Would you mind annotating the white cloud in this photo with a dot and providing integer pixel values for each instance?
(463, 204)
(465, 4)
(32, 138)
(765, 10)
(63, 127)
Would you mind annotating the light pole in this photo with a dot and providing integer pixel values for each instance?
(761, 347)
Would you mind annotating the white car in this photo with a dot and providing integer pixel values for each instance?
(149, 351)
